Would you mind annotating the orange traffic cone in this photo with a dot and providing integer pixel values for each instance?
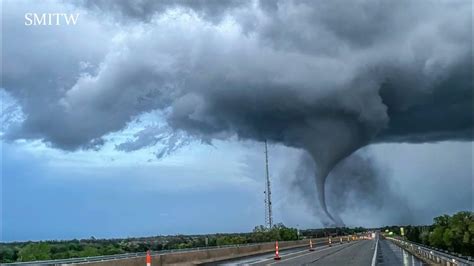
(311, 245)
(277, 255)
(148, 258)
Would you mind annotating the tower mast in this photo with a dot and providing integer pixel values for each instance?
(268, 193)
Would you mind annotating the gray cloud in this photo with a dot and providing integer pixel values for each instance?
(213, 10)
(287, 71)
(40, 64)
(151, 135)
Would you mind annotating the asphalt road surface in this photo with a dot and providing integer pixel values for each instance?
(353, 253)
(357, 253)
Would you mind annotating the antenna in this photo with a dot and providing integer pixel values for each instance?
(268, 193)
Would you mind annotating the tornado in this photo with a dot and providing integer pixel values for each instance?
(329, 140)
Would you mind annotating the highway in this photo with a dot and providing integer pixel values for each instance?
(357, 253)
(353, 253)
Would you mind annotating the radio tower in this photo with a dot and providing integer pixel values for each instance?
(268, 193)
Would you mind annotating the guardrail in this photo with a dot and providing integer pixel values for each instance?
(141, 254)
(431, 254)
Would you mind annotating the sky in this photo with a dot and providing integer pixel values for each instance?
(148, 118)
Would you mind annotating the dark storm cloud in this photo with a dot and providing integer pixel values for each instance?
(444, 111)
(394, 76)
(213, 10)
(40, 64)
(325, 76)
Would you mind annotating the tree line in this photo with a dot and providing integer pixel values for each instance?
(49, 250)
(452, 233)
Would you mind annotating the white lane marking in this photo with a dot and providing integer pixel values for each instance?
(309, 253)
(374, 258)
(316, 251)
(291, 253)
(284, 254)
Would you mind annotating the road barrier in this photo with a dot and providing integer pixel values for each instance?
(148, 258)
(176, 256)
(432, 255)
(277, 254)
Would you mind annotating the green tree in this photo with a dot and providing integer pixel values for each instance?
(413, 233)
(425, 237)
(436, 237)
(89, 251)
(459, 232)
(454, 233)
(7, 254)
(35, 251)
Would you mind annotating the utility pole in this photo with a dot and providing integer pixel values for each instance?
(268, 193)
